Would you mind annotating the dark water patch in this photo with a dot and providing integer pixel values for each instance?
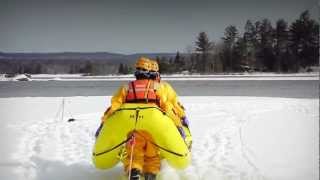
(265, 88)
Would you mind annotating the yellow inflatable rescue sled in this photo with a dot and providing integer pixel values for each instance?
(138, 116)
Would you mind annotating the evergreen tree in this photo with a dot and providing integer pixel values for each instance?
(203, 46)
(126, 69)
(229, 60)
(304, 41)
(177, 59)
(37, 69)
(249, 40)
(88, 68)
(21, 69)
(281, 46)
(121, 69)
(249, 32)
(239, 55)
(193, 63)
(164, 65)
(230, 36)
(265, 46)
(179, 62)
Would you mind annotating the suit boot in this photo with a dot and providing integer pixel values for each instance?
(149, 176)
(135, 174)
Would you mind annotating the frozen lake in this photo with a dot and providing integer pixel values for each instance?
(243, 129)
(258, 88)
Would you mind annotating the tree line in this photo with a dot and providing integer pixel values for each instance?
(262, 47)
(42, 66)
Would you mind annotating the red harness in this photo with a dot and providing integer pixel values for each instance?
(141, 91)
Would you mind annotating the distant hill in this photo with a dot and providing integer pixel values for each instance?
(82, 56)
(111, 57)
(69, 62)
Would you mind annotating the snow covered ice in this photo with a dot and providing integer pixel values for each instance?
(234, 138)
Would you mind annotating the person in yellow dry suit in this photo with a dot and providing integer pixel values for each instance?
(175, 106)
(143, 156)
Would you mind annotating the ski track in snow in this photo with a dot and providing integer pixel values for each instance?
(57, 149)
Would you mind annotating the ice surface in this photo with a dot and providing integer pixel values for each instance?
(234, 138)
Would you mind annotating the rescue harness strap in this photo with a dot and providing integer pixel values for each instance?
(134, 90)
(169, 151)
(130, 137)
(142, 101)
(160, 147)
(133, 143)
(136, 108)
(146, 93)
(115, 147)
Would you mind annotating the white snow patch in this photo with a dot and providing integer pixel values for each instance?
(234, 138)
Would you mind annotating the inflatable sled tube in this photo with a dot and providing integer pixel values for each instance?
(137, 116)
